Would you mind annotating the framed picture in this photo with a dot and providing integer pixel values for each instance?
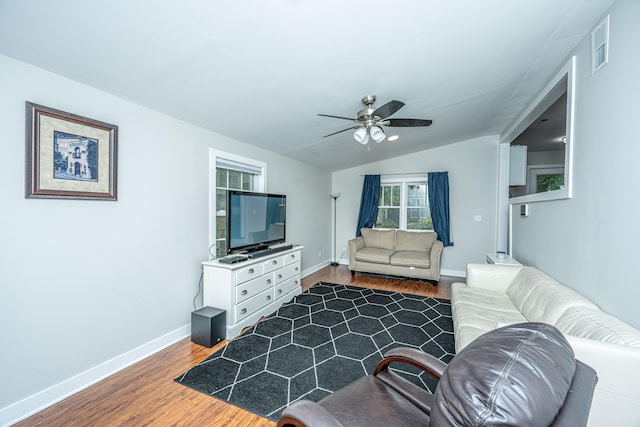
(69, 156)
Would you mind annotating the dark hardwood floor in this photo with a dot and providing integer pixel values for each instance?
(145, 394)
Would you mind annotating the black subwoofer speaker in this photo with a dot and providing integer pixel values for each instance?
(208, 326)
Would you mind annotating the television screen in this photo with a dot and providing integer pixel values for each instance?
(254, 220)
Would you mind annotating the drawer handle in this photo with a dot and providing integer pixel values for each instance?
(251, 271)
(274, 262)
(268, 281)
(296, 282)
(243, 311)
(243, 292)
(279, 276)
(293, 256)
(268, 297)
(279, 291)
(297, 269)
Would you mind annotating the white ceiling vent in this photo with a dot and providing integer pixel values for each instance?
(600, 46)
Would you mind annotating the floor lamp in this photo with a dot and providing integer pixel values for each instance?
(335, 225)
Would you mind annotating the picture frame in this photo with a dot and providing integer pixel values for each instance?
(69, 156)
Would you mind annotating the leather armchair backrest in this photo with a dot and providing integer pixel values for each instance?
(516, 375)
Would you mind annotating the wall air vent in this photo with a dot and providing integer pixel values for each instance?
(600, 46)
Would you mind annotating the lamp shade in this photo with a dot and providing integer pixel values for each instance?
(361, 136)
(377, 134)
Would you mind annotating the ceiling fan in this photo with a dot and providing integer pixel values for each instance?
(370, 119)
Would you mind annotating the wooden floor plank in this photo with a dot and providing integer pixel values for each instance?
(145, 394)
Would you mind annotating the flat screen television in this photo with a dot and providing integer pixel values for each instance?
(254, 220)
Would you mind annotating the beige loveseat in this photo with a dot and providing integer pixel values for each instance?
(498, 295)
(397, 253)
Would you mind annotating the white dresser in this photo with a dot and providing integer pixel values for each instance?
(251, 289)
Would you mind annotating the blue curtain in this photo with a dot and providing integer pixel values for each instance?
(439, 205)
(369, 202)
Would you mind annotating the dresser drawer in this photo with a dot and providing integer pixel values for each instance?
(254, 304)
(291, 258)
(272, 264)
(287, 286)
(253, 287)
(248, 273)
(287, 272)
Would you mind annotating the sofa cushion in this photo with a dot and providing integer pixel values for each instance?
(548, 301)
(476, 311)
(410, 259)
(469, 315)
(382, 239)
(481, 298)
(464, 335)
(374, 255)
(595, 324)
(420, 241)
(527, 279)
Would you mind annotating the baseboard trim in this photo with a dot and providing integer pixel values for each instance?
(43, 399)
(314, 268)
(453, 273)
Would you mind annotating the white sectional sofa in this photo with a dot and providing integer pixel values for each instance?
(498, 295)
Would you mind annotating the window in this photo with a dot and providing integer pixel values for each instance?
(404, 205)
(229, 179)
(231, 173)
(389, 206)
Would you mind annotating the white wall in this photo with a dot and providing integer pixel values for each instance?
(128, 278)
(545, 158)
(473, 174)
(590, 242)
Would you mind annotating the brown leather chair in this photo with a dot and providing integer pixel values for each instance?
(518, 375)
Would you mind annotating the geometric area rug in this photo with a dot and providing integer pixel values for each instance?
(320, 341)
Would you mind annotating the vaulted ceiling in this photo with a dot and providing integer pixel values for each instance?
(261, 71)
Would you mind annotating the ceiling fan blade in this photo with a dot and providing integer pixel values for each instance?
(337, 117)
(407, 122)
(343, 130)
(388, 109)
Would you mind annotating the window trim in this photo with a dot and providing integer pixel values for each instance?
(229, 161)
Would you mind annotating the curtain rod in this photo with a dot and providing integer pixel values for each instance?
(395, 174)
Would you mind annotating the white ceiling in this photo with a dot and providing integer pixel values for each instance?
(260, 71)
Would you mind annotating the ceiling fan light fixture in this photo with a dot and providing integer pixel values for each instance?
(393, 138)
(362, 136)
(377, 134)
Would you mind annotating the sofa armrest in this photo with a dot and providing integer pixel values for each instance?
(420, 397)
(617, 390)
(616, 365)
(307, 413)
(491, 276)
(412, 356)
(434, 259)
(354, 246)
